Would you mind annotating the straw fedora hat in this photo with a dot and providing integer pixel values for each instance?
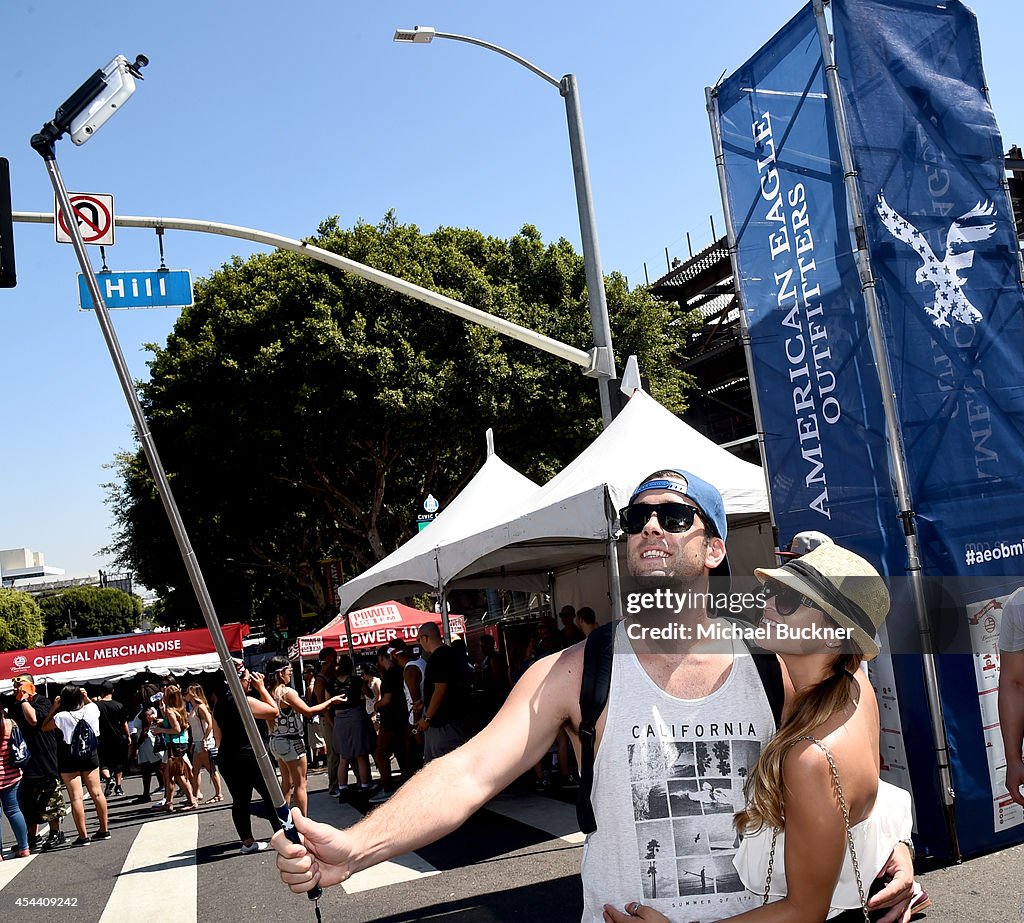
(844, 585)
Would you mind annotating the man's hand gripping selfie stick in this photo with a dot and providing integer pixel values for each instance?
(82, 114)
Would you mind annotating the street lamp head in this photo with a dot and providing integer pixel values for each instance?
(417, 34)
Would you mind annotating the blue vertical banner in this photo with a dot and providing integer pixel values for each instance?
(944, 253)
(812, 367)
(943, 248)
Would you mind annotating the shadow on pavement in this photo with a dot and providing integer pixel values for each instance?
(530, 902)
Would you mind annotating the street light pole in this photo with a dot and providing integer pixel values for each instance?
(602, 364)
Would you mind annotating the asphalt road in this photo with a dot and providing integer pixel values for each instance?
(516, 860)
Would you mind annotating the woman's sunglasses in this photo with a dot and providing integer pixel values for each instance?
(787, 600)
(672, 517)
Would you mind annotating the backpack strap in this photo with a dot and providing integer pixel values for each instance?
(594, 686)
(770, 671)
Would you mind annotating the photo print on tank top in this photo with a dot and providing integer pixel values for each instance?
(685, 793)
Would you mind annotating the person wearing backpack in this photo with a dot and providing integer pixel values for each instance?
(660, 698)
(11, 761)
(77, 718)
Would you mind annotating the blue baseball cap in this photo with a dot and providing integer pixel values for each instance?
(706, 496)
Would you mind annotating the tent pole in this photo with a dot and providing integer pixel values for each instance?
(446, 625)
(894, 434)
(614, 578)
(348, 634)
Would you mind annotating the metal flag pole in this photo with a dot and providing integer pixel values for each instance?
(43, 143)
(894, 433)
(711, 100)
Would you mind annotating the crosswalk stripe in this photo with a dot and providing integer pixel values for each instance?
(10, 868)
(547, 814)
(410, 867)
(159, 871)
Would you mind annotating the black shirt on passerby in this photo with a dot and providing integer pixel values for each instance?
(445, 666)
(393, 716)
(113, 716)
(233, 739)
(351, 687)
(41, 744)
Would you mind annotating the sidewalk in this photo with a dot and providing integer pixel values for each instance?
(989, 889)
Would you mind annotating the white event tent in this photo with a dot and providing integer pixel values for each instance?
(556, 538)
(559, 540)
(495, 492)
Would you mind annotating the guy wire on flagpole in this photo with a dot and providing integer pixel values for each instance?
(894, 432)
(711, 97)
(44, 144)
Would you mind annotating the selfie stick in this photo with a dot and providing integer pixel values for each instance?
(81, 115)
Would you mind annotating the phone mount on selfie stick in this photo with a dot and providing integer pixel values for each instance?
(81, 115)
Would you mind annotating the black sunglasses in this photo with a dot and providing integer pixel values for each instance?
(787, 600)
(672, 517)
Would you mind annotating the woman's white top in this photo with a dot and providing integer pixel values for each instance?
(67, 721)
(195, 724)
(874, 838)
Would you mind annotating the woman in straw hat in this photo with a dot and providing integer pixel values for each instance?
(818, 825)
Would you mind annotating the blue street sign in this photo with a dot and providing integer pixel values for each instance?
(144, 289)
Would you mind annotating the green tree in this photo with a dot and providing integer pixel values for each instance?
(304, 414)
(21, 622)
(89, 612)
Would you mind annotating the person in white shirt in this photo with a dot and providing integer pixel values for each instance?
(1011, 692)
(78, 756)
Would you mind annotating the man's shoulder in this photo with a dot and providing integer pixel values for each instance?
(1013, 608)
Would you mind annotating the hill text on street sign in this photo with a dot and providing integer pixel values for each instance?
(94, 212)
(143, 289)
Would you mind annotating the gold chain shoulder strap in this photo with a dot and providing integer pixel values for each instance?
(834, 772)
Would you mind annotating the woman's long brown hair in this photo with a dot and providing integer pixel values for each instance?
(173, 702)
(764, 787)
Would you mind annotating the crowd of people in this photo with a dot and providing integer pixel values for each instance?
(56, 754)
(407, 708)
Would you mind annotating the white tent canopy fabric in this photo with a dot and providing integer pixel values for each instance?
(569, 521)
(525, 537)
(495, 492)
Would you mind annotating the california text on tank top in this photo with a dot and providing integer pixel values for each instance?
(668, 778)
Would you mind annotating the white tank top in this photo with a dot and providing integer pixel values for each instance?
(874, 839)
(668, 778)
(420, 664)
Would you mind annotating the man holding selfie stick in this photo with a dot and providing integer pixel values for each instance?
(676, 526)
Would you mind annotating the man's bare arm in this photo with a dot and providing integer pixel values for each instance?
(440, 797)
(1011, 719)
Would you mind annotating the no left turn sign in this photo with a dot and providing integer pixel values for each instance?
(94, 212)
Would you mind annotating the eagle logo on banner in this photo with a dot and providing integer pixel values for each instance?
(944, 274)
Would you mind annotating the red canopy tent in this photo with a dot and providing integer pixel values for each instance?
(373, 627)
(121, 656)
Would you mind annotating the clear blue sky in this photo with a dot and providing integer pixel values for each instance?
(277, 115)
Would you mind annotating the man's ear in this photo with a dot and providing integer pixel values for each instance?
(715, 553)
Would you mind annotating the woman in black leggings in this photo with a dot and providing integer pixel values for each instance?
(237, 761)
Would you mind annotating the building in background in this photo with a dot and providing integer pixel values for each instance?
(23, 564)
